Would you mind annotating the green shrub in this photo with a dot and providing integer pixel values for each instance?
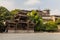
(34, 17)
(51, 26)
(1, 26)
(58, 21)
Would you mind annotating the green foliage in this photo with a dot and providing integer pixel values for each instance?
(37, 19)
(2, 26)
(58, 21)
(14, 12)
(51, 26)
(4, 13)
(39, 25)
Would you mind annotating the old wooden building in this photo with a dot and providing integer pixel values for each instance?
(22, 22)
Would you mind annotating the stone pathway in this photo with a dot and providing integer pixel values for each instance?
(30, 36)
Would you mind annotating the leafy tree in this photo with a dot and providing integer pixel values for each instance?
(15, 11)
(58, 21)
(4, 13)
(2, 27)
(51, 26)
(37, 19)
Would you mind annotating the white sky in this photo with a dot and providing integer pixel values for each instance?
(53, 5)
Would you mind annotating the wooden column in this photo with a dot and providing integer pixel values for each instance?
(15, 27)
(28, 26)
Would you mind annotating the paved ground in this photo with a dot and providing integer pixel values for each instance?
(29, 36)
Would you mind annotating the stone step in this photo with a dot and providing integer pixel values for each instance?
(20, 31)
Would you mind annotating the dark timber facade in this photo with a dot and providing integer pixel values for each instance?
(22, 22)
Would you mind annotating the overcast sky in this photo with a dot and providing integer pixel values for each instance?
(53, 5)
